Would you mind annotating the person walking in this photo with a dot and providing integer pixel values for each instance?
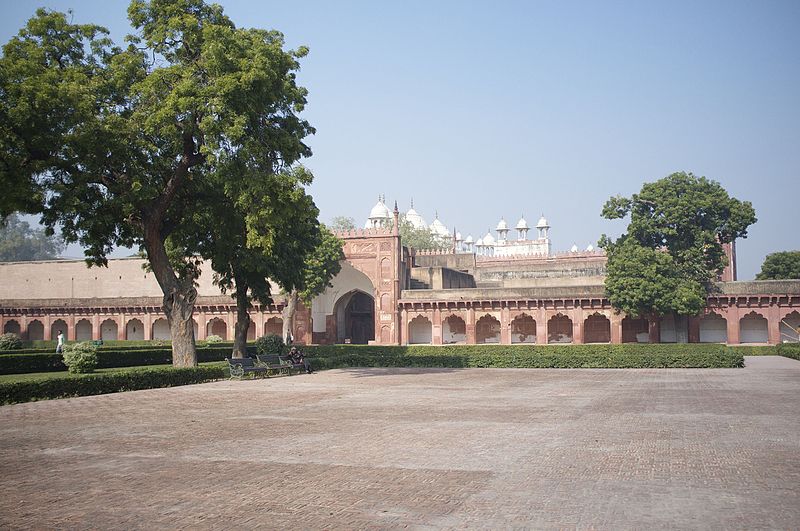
(60, 344)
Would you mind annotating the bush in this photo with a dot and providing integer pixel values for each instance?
(213, 339)
(96, 384)
(270, 344)
(80, 358)
(789, 350)
(10, 341)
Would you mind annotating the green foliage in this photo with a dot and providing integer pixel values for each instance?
(10, 341)
(780, 266)
(321, 265)
(96, 384)
(672, 250)
(19, 242)
(270, 344)
(80, 357)
(124, 144)
(529, 356)
(213, 339)
(789, 350)
(342, 223)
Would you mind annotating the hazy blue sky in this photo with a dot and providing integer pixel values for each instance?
(483, 110)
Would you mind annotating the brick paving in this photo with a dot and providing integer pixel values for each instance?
(395, 448)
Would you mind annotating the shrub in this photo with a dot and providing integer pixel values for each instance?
(789, 350)
(80, 358)
(213, 339)
(10, 342)
(270, 344)
(96, 384)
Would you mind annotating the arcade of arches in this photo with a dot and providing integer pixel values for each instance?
(376, 298)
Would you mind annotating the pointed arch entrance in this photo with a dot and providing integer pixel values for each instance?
(355, 318)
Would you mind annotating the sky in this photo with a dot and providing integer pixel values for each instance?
(483, 110)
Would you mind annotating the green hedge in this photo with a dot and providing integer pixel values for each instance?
(106, 359)
(532, 356)
(96, 384)
(789, 350)
(119, 347)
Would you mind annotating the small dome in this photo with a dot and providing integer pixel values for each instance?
(542, 223)
(522, 224)
(417, 221)
(479, 243)
(380, 211)
(502, 225)
(437, 227)
(458, 237)
(574, 249)
(469, 239)
(590, 248)
(488, 240)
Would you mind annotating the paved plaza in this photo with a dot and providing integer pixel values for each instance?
(421, 448)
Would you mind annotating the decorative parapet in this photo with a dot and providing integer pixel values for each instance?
(560, 254)
(380, 232)
(759, 287)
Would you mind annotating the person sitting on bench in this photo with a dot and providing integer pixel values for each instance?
(298, 358)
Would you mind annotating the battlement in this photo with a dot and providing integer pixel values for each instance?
(380, 232)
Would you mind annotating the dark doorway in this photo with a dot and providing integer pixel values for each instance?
(359, 319)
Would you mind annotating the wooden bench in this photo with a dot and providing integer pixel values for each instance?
(241, 366)
(275, 362)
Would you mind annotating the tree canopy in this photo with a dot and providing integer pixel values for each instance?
(342, 223)
(672, 251)
(420, 238)
(19, 242)
(780, 266)
(119, 142)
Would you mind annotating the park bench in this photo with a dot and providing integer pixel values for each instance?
(241, 366)
(275, 362)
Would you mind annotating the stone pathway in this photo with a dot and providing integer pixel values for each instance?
(421, 448)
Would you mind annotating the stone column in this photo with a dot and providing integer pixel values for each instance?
(201, 325)
(71, 327)
(541, 327)
(616, 328)
(48, 324)
(774, 324)
(577, 326)
(732, 319)
(121, 326)
(505, 326)
(436, 332)
(147, 320)
(470, 326)
(96, 332)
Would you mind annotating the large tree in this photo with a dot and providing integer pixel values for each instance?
(670, 255)
(781, 265)
(120, 136)
(19, 242)
(420, 238)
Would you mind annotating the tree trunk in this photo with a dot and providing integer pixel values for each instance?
(288, 314)
(179, 297)
(242, 322)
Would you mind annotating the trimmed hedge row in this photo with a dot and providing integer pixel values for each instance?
(540, 359)
(106, 359)
(116, 347)
(97, 384)
(789, 350)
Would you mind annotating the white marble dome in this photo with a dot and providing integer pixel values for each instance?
(502, 225)
(438, 228)
(488, 240)
(380, 211)
(416, 220)
(522, 224)
(542, 223)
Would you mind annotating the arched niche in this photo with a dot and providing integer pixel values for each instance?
(273, 327)
(713, 329)
(348, 280)
(134, 330)
(523, 329)
(635, 330)
(559, 329)
(217, 327)
(59, 325)
(487, 330)
(420, 331)
(753, 329)
(355, 318)
(454, 330)
(597, 329)
(109, 330)
(12, 326)
(789, 328)
(83, 330)
(161, 329)
(35, 330)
